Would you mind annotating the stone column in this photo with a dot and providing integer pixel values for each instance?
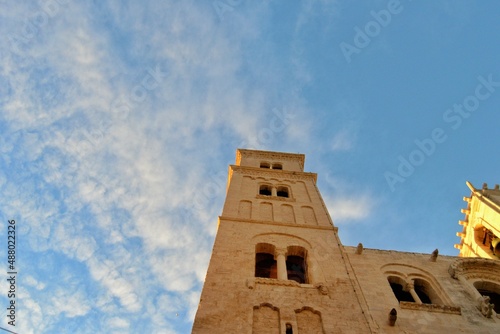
(281, 263)
(411, 288)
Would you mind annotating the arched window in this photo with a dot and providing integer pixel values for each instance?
(282, 192)
(289, 328)
(265, 190)
(491, 290)
(398, 286)
(296, 265)
(265, 165)
(265, 264)
(425, 292)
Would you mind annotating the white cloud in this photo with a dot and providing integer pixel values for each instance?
(119, 192)
(348, 209)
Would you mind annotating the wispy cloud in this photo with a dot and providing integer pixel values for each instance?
(110, 118)
(348, 209)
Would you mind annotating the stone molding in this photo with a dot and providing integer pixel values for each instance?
(431, 307)
(275, 281)
(274, 222)
(252, 282)
(270, 155)
(256, 171)
(276, 198)
(475, 268)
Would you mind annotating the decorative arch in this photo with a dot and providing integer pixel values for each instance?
(287, 213)
(309, 320)
(480, 277)
(309, 215)
(266, 211)
(245, 209)
(282, 239)
(266, 319)
(411, 280)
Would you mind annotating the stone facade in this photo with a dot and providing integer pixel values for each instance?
(278, 266)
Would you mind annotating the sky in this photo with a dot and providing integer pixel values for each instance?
(118, 120)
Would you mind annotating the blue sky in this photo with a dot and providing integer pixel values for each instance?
(118, 120)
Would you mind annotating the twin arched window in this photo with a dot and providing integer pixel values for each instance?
(292, 264)
(276, 165)
(417, 290)
(268, 190)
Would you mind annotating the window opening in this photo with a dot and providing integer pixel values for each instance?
(265, 265)
(296, 269)
(421, 293)
(491, 290)
(265, 190)
(494, 299)
(265, 165)
(398, 290)
(289, 329)
(282, 192)
(277, 166)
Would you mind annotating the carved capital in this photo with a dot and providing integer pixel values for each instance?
(322, 288)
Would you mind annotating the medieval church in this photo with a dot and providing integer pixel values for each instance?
(278, 265)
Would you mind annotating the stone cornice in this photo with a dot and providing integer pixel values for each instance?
(271, 222)
(275, 198)
(475, 268)
(270, 173)
(270, 155)
(485, 194)
(431, 307)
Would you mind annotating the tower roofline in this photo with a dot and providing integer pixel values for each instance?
(490, 196)
(269, 155)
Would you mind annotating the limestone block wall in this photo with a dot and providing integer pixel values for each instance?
(235, 301)
(454, 307)
(302, 206)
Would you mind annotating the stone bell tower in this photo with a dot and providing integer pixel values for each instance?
(277, 264)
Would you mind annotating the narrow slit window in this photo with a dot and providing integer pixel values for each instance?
(265, 190)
